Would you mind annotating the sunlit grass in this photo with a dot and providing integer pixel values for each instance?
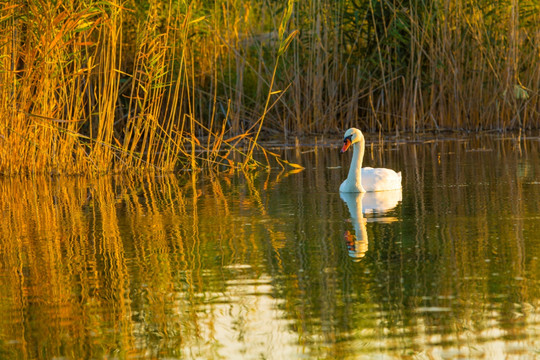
(79, 98)
(94, 87)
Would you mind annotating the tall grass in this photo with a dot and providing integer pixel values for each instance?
(415, 65)
(99, 86)
(104, 86)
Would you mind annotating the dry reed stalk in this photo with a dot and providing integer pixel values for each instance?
(80, 94)
(64, 105)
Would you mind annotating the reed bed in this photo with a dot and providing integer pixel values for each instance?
(93, 87)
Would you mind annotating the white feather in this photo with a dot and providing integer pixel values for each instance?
(366, 179)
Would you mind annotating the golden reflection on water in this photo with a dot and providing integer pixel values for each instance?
(119, 266)
(256, 265)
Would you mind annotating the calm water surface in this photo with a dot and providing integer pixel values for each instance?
(278, 265)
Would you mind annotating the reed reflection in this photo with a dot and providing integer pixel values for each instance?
(254, 263)
(149, 266)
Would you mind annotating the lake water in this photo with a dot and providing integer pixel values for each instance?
(278, 265)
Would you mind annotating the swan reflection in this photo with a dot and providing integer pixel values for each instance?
(380, 202)
(377, 203)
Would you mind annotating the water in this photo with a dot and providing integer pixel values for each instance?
(278, 265)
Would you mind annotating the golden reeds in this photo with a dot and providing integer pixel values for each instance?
(76, 98)
(92, 87)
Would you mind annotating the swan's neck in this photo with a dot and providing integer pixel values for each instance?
(355, 171)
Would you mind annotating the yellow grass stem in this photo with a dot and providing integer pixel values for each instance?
(93, 87)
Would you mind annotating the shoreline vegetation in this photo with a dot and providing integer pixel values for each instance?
(93, 87)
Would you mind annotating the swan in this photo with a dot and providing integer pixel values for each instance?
(365, 179)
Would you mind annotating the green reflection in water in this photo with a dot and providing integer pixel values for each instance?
(279, 265)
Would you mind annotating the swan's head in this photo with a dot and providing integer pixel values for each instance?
(352, 136)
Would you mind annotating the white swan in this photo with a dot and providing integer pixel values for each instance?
(365, 179)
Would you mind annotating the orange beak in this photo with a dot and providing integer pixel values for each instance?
(346, 144)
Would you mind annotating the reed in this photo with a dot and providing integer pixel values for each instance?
(93, 87)
(79, 98)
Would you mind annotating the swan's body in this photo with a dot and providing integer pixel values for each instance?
(366, 179)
